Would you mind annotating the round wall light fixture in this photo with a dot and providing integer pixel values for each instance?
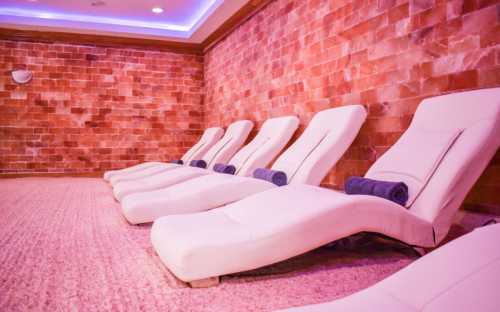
(22, 76)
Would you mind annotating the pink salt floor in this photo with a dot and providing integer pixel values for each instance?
(65, 246)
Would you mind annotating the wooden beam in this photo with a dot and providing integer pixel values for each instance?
(242, 15)
(100, 40)
(50, 175)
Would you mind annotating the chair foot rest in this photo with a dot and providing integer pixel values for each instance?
(205, 283)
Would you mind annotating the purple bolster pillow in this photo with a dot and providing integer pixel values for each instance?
(177, 161)
(277, 177)
(394, 191)
(200, 163)
(221, 168)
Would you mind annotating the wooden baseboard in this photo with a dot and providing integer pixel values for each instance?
(205, 283)
(483, 208)
(50, 175)
(99, 40)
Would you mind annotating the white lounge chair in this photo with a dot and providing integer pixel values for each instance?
(235, 136)
(462, 275)
(271, 139)
(208, 139)
(444, 151)
(307, 161)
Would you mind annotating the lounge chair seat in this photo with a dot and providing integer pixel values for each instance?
(191, 196)
(145, 172)
(109, 174)
(308, 160)
(175, 176)
(271, 139)
(235, 136)
(462, 275)
(208, 139)
(275, 225)
(438, 158)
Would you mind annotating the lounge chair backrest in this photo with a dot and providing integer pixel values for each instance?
(267, 144)
(449, 143)
(207, 140)
(329, 134)
(235, 136)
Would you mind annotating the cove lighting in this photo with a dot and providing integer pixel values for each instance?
(91, 19)
(183, 29)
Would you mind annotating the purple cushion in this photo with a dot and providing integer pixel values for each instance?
(221, 168)
(200, 163)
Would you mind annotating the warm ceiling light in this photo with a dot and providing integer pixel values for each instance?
(157, 10)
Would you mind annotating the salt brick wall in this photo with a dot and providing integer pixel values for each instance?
(89, 109)
(303, 56)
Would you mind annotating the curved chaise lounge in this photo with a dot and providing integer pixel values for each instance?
(307, 161)
(271, 139)
(235, 136)
(450, 141)
(208, 139)
(462, 275)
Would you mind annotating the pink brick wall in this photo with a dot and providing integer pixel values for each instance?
(89, 109)
(302, 56)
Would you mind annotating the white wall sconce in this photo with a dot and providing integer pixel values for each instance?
(22, 76)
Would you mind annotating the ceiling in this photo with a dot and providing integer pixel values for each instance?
(189, 21)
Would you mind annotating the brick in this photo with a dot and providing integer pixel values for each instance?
(436, 85)
(490, 37)
(489, 77)
(417, 6)
(480, 20)
(464, 80)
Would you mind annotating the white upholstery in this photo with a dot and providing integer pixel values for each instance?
(111, 173)
(272, 226)
(144, 194)
(235, 136)
(271, 139)
(400, 166)
(145, 172)
(463, 275)
(196, 194)
(477, 113)
(283, 222)
(208, 139)
(337, 127)
(325, 140)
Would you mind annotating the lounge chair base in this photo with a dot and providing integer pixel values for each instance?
(420, 251)
(205, 283)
